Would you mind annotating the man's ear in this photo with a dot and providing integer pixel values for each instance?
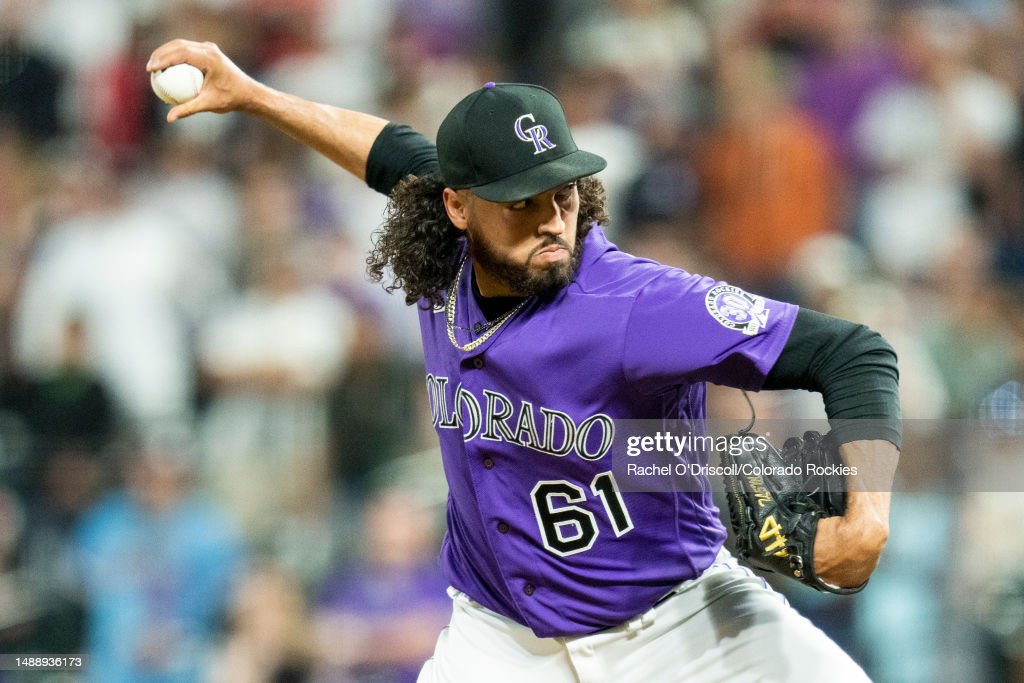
(457, 208)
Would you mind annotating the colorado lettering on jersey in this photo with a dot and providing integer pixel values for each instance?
(495, 417)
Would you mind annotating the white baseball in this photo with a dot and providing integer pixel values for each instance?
(176, 84)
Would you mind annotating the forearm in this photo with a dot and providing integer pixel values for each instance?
(848, 548)
(342, 135)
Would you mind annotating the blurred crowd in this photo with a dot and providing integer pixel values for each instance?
(216, 460)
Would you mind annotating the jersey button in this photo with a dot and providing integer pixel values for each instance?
(503, 527)
(488, 463)
(529, 589)
(478, 362)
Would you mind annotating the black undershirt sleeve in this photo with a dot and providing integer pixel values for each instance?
(852, 367)
(397, 152)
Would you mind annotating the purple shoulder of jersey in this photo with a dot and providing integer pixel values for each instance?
(538, 529)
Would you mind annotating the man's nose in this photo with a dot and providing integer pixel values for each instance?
(553, 222)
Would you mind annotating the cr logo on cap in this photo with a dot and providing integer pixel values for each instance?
(538, 134)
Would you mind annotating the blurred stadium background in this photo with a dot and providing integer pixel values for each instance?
(215, 452)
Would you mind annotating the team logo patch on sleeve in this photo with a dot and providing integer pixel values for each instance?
(736, 309)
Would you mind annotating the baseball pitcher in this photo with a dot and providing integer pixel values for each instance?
(538, 333)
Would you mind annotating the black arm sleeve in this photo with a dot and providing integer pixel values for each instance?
(397, 152)
(852, 367)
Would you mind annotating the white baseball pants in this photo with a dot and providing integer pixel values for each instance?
(724, 626)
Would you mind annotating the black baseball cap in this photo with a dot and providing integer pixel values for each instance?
(510, 141)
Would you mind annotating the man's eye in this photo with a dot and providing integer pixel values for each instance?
(517, 206)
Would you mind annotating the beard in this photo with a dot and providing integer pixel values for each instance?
(519, 277)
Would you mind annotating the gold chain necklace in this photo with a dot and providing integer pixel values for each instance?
(449, 310)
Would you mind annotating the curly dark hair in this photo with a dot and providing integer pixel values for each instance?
(419, 247)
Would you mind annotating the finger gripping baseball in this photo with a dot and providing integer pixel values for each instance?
(776, 499)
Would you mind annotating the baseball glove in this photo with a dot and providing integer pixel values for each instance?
(776, 499)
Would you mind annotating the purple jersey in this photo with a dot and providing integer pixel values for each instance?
(537, 528)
